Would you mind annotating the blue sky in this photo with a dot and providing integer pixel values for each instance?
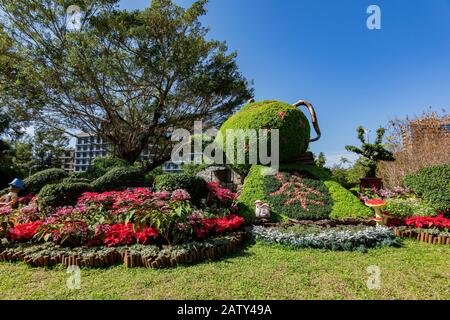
(322, 51)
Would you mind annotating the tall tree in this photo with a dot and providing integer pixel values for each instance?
(129, 77)
(48, 146)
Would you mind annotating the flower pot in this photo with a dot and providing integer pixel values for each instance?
(370, 183)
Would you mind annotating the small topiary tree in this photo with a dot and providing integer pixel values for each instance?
(119, 179)
(195, 185)
(37, 181)
(102, 165)
(61, 194)
(371, 152)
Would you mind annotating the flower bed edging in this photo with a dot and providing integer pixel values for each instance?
(112, 256)
(424, 236)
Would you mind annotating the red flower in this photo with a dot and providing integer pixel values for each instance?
(23, 232)
(217, 226)
(121, 234)
(438, 222)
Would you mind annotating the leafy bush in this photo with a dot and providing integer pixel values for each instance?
(61, 194)
(293, 125)
(345, 204)
(403, 208)
(196, 186)
(100, 166)
(37, 181)
(150, 177)
(331, 240)
(76, 179)
(119, 179)
(432, 184)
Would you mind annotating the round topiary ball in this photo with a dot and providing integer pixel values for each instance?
(293, 125)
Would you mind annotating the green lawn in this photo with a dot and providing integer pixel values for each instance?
(416, 271)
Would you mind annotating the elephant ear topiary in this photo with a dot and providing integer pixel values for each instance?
(294, 129)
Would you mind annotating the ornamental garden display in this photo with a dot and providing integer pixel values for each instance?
(371, 154)
(300, 189)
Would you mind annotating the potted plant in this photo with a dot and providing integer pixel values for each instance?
(371, 153)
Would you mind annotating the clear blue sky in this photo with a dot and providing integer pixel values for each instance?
(322, 51)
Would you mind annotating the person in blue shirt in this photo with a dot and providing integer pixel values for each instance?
(11, 199)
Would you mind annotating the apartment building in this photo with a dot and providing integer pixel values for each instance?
(68, 159)
(88, 147)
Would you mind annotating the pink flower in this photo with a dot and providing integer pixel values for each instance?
(180, 195)
(282, 114)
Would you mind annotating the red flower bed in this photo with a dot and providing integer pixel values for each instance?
(438, 222)
(216, 226)
(23, 232)
(222, 194)
(123, 234)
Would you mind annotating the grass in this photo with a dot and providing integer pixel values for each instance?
(416, 271)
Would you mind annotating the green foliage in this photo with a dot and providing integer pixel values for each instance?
(321, 160)
(432, 184)
(298, 196)
(37, 181)
(193, 168)
(194, 185)
(119, 179)
(344, 203)
(166, 45)
(75, 179)
(61, 194)
(48, 145)
(371, 152)
(252, 190)
(102, 165)
(349, 177)
(294, 129)
(150, 177)
(404, 208)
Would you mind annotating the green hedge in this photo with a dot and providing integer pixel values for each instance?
(196, 186)
(37, 181)
(432, 184)
(61, 194)
(100, 166)
(119, 179)
(293, 125)
(76, 179)
(344, 203)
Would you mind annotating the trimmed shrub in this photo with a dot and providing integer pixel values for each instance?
(61, 194)
(100, 166)
(119, 179)
(293, 125)
(76, 179)
(432, 184)
(37, 181)
(151, 176)
(343, 204)
(196, 186)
